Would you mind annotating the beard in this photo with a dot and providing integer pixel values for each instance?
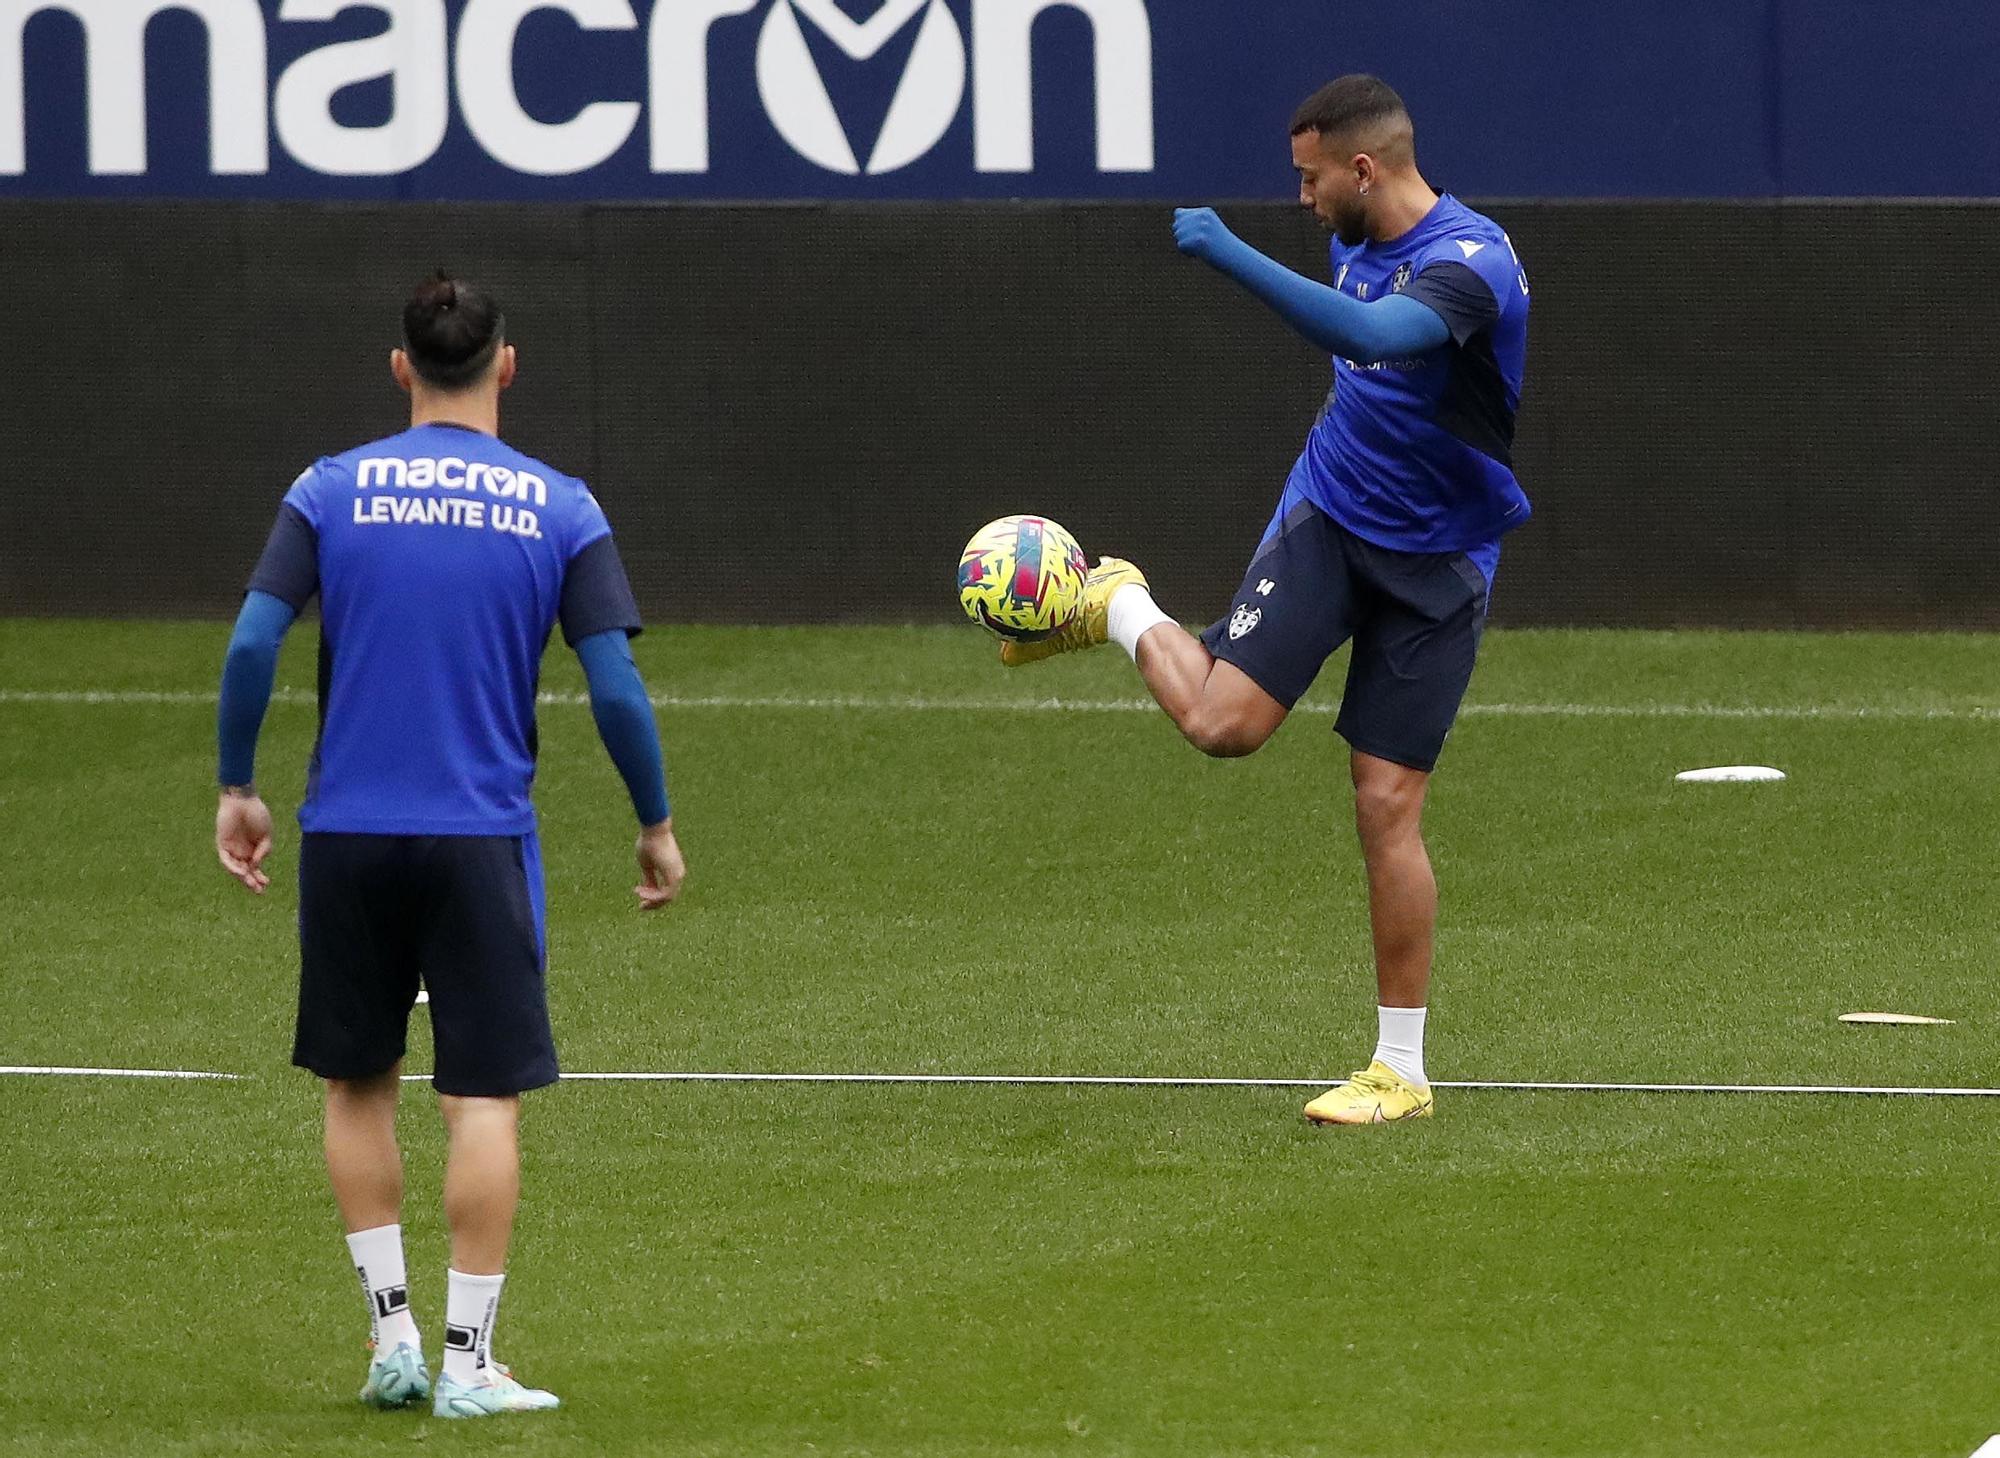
(1350, 226)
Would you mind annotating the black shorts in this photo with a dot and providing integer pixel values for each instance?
(462, 914)
(1415, 618)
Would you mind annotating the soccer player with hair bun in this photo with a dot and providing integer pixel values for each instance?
(442, 559)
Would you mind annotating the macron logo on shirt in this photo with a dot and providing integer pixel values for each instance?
(390, 477)
(452, 473)
(1469, 247)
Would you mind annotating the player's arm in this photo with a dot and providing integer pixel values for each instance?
(1392, 327)
(286, 577)
(624, 714)
(599, 615)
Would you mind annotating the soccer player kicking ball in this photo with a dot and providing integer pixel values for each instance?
(442, 558)
(1388, 531)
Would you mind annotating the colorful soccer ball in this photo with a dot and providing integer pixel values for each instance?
(1022, 577)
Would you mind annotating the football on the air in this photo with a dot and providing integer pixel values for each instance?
(1022, 577)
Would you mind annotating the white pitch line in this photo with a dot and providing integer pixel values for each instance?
(1897, 713)
(933, 704)
(1115, 1081)
(117, 1072)
(1739, 1088)
(1091, 1080)
(118, 696)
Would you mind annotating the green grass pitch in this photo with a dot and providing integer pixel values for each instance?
(969, 1272)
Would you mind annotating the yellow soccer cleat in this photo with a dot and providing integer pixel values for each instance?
(1091, 625)
(1375, 1095)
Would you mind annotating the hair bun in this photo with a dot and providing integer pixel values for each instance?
(451, 330)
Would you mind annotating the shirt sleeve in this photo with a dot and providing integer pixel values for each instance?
(596, 594)
(1458, 294)
(289, 567)
(305, 494)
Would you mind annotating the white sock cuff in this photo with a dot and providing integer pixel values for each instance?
(379, 1249)
(1399, 1043)
(1131, 615)
(477, 1283)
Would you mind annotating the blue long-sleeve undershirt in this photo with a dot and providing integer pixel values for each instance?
(248, 670)
(624, 716)
(1392, 327)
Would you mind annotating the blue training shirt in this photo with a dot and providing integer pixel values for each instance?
(1416, 455)
(443, 558)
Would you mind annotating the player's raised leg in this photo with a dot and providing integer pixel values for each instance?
(1218, 707)
(366, 1169)
(1228, 690)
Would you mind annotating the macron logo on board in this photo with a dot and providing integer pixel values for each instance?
(934, 81)
(975, 56)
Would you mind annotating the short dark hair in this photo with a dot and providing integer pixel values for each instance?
(451, 331)
(1348, 103)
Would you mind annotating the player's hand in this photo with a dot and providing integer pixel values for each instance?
(243, 839)
(661, 868)
(1200, 233)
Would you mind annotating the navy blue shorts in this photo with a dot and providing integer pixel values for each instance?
(1415, 618)
(460, 914)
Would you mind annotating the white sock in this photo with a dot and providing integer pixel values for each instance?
(378, 1259)
(1399, 1042)
(470, 1305)
(1132, 613)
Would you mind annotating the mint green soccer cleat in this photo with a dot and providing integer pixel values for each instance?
(397, 1380)
(495, 1392)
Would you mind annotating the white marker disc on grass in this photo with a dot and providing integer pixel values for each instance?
(423, 994)
(1897, 1020)
(1730, 774)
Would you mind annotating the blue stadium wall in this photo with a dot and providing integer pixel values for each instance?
(809, 288)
